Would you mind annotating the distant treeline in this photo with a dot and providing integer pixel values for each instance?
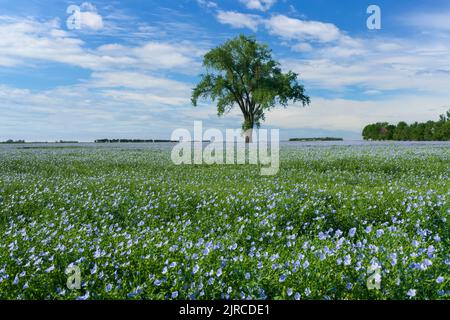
(23, 141)
(424, 131)
(66, 141)
(13, 141)
(316, 139)
(130, 140)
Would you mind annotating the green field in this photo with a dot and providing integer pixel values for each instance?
(139, 227)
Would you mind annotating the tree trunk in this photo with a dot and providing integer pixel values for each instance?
(248, 135)
(248, 128)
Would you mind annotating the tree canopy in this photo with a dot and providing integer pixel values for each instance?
(425, 131)
(241, 72)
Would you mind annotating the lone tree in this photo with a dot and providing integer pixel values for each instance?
(242, 72)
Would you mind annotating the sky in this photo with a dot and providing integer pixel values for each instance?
(126, 69)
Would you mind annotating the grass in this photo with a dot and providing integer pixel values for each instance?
(139, 227)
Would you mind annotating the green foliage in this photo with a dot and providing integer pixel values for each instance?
(428, 131)
(242, 72)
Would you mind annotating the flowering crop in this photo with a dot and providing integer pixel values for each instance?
(139, 227)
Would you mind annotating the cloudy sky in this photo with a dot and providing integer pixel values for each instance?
(126, 70)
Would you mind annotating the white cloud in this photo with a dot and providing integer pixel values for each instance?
(144, 98)
(262, 5)
(28, 39)
(67, 113)
(155, 55)
(239, 20)
(88, 6)
(296, 29)
(137, 80)
(380, 64)
(428, 20)
(207, 4)
(111, 104)
(91, 20)
(302, 47)
(283, 26)
(372, 92)
(353, 115)
(25, 41)
(136, 87)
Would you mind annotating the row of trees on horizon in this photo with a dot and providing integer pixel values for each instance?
(423, 131)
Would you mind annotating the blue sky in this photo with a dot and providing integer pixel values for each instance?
(129, 68)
